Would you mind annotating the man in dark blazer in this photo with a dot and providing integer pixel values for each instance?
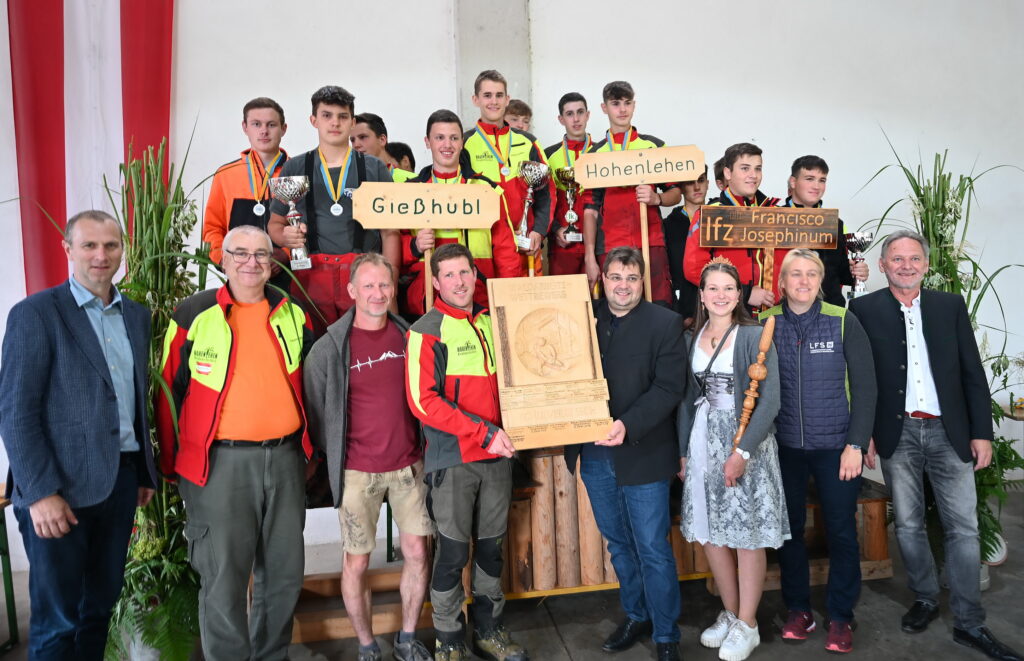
(628, 473)
(933, 418)
(73, 420)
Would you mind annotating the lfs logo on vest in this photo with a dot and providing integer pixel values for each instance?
(821, 347)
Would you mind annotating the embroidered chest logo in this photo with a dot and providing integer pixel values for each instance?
(370, 362)
(466, 348)
(205, 358)
(822, 347)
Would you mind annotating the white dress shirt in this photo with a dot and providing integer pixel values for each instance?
(921, 393)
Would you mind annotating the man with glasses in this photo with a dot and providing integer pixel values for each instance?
(628, 472)
(233, 360)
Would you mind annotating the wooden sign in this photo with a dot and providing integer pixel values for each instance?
(387, 205)
(634, 167)
(768, 227)
(551, 384)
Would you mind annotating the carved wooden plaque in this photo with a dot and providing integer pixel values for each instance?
(768, 227)
(550, 382)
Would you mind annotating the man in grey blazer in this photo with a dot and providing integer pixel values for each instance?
(73, 420)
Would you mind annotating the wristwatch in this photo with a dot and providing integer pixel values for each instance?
(743, 453)
(855, 447)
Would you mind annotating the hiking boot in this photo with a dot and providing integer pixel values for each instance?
(799, 625)
(410, 650)
(451, 651)
(497, 645)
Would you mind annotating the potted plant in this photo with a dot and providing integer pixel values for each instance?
(158, 606)
(941, 208)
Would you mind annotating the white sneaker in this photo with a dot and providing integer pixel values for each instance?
(740, 642)
(716, 633)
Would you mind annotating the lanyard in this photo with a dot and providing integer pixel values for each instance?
(569, 158)
(625, 139)
(497, 143)
(261, 192)
(334, 191)
(736, 201)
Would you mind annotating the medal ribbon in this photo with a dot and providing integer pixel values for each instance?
(496, 147)
(334, 191)
(259, 194)
(434, 179)
(736, 202)
(625, 139)
(569, 154)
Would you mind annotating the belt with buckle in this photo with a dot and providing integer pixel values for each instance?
(268, 443)
(921, 415)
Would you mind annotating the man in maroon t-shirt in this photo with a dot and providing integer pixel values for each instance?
(354, 383)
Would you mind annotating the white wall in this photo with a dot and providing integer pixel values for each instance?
(795, 77)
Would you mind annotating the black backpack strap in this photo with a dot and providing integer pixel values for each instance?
(358, 233)
(312, 241)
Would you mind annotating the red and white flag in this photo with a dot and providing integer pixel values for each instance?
(88, 78)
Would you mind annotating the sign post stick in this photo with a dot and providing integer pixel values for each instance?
(645, 248)
(428, 280)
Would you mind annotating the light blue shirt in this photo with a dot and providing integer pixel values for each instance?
(108, 324)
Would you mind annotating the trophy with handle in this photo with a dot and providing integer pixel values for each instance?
(566, 177)
(533, 174)
(857, 244)
(291, 190)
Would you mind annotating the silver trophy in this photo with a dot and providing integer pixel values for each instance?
(533, 174)
(291, 190)
(857, 243)
(567, 177)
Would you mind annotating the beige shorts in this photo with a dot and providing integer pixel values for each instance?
(363, 495)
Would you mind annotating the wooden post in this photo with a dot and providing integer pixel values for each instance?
(876, 533)
(609, 570)
(567, 543)
(591, 543)
(768, 272)
(645, 248)
(542, 524)
(521, 579)
(428, 279)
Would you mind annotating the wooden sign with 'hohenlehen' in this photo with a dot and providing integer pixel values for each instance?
(634, 167)
(768, 227)
(551, 384)
(386, 205)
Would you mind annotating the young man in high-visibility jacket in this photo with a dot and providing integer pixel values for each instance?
(565, 255)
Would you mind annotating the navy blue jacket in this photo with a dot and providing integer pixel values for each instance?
(58, 409)
(827, 378)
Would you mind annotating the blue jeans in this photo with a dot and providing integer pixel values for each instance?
(839, 509)
(75, 580)
(635, 522)
(924, 448)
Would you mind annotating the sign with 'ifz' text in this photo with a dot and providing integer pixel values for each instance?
(768, 227)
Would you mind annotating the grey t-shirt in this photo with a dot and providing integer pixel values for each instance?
(334, 233)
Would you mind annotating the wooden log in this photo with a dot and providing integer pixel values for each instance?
(700, 561)
(609, 570)
(521, 574)
(591, 543)
(315, 626)
(567, 541)
(542, 524)
(876, 532)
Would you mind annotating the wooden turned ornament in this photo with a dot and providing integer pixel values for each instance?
(757, 373)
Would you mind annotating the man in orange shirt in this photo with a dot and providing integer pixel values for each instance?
(236, 442)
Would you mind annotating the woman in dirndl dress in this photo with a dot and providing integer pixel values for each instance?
(733, 502)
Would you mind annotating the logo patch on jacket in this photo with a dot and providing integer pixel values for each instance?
(204, 368)
(465, 348)
(821, 347)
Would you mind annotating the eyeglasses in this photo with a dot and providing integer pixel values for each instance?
(241, 256)
(616, 278)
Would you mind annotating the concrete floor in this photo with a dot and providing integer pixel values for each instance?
(573, 627)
